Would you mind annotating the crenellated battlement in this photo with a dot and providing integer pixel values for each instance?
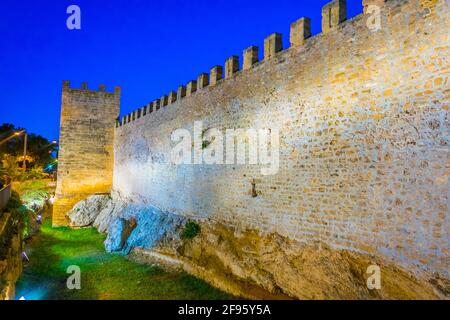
(333, 14)
(84, 88)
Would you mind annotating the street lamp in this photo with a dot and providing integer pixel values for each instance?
(25, 151)
(15, 135)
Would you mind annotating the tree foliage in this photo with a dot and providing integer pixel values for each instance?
(38, 147)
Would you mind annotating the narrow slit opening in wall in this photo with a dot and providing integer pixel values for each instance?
(329, 18)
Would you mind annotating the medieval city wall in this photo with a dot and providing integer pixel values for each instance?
(364, 137)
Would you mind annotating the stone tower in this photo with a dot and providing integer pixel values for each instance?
(86, 154)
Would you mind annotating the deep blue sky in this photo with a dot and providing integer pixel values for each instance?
(147, 47)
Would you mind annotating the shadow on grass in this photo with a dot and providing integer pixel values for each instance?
(103, 276)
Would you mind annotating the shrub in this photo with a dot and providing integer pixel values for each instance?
(14, 226)
(205, 144)
(33, 174)
(191, 230)
(10, 166)
(14, 202)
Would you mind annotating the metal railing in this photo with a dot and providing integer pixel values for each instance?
(5, 193)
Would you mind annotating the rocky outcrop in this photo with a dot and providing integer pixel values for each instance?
(128, 225)
(85, 212)
(119, 232)
(254, 265)
(279, 265)
(108, 214)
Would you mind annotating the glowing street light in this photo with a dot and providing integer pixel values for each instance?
(25, 142)
(25, 151)
(14, 135)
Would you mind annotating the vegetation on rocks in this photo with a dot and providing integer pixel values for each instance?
(27, 199)
(14, 224)
(12, 221)
(14, 202)
(191, 230)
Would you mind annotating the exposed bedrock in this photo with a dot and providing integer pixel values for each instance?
(128, 225)
(248, 263)
(84, 213)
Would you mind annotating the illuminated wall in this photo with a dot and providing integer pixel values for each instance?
(85, 158)
(363, 116)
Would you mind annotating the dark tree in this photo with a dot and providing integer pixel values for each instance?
(38, 147)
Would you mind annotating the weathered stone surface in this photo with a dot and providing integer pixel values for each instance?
(85, 158)
(364, 141)
(300, 31)
(203, 80)
(272, 45)
(118, 233)
(333, 14)
(128, 225)
(85, 212)
(250, 57)
(151, 227)
(191, 88)
(107, 214)
(172, 97)
(216, 74)
(154, 228)
(230, 258)
(181, 92)
(231, 66)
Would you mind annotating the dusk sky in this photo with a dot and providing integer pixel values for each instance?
(147, 47)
